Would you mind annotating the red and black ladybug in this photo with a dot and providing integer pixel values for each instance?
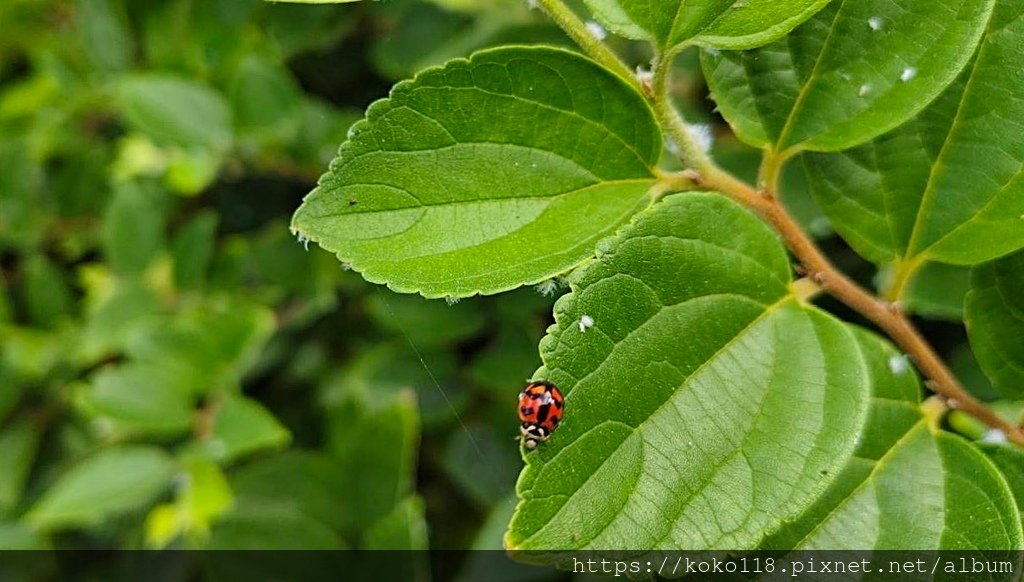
(541, 407)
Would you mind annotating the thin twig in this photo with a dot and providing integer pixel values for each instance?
(887, 316)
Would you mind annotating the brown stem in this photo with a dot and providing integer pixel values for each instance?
(885, 315)
(703, 172)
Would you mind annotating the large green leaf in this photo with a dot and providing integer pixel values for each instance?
(853, 71)
(995, 322)
(705, 406)
(486, 174)
(948, 185)
(907, 487)
(725, 24)
(109, 482)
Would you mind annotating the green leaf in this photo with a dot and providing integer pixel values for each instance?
(311, 482)
(995, 322)
(176, 111)
(243, 426)
(209, 346)
(297, 29)
(965, 367)
(321, 129)
(907, 487)
(18, 446)
(118, 310)
(853, 71)
(264, 97)
(140, 398)
(193, 249)
(47, 294)
(133, 228)
(378, 374)
(428, 34)
(18, 536)
(379, 446)
(405, 528)
(704, 442)
(105, 34)
(109, 482)
(449, 187)
(201, 499)
(949, 185)
(313, 1)
(271, 526)
(1010, 462)
(931, 490)
(724, 24)
(425, 323)
(507, 360)
(937, 290)
(482, 464)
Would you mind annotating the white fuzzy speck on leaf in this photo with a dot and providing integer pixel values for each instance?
(864, 90)
(908, 74)
(547, 288)
(875, 23)
(303, 239)
(586, 322)
(994, 436)
(643, 75)
(596, 30)
(899, 364)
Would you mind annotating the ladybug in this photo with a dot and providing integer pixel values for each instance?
(541, 407)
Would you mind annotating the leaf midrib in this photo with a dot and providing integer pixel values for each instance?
(880, 464)
(928, 198)
(805, 88)
(549, 198)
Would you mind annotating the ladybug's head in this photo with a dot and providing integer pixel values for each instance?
(533, 435)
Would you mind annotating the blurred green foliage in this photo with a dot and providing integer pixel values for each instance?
(176, 370)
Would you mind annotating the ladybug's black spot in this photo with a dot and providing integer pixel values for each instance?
(526, 410)
(559, 404)
(542, 412)
(554, 421)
